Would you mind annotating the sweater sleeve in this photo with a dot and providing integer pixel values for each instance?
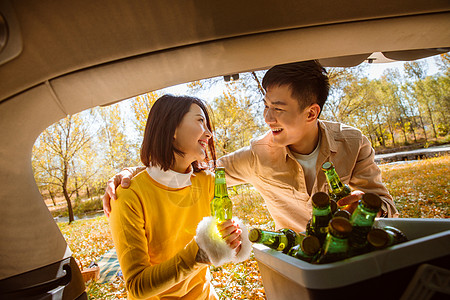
(366, 177)
(143, 279)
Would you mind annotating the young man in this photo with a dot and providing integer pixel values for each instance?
(284, 165)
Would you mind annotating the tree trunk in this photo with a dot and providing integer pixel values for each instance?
(69, 205)
(52, 197)
(380, 136)
(423, 126)
(402, 125)
(371, 139)
(66, 195)
(391, 131)
(431, 120)
(412, 125)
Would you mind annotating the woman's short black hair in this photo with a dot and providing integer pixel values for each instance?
(164, 117)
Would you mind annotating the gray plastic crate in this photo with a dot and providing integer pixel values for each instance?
(384, 273)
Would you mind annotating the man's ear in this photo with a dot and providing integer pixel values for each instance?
(313, 112)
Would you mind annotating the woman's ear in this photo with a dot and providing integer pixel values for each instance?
(313, 112)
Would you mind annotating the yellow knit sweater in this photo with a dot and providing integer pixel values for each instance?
(153, 228)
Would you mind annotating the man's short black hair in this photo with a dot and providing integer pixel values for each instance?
(308, 81)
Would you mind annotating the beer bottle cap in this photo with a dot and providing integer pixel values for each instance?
(326, 166)
(377, 237)
(372, 201)
(320, 199)
(310, 245)
(340, 227)
(254, 235)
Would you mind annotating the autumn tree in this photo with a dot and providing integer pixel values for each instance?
(55, 153)
(234, 123)
(416, 73)
(114, 138)
(42, 165)
(436, 89)
(248, 85)
(140, 107)
(346, 94)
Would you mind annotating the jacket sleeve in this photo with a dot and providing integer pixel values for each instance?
(366, 176)
(144, 280)
(238, 166)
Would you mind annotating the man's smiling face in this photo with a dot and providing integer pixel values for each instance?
(283, 115)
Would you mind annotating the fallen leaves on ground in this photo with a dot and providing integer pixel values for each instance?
(420, 189)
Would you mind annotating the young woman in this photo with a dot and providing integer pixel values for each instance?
(162, 250)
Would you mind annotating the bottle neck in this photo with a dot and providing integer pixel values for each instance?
(396, 233)
(321, 211)
(391, 240)
(335, 244)
(220, 191)
(334, 181)
(220, 186)
(269, 236)
(363, 216)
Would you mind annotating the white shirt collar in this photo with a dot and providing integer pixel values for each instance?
(170, 178)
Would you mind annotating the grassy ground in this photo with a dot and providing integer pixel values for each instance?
(420, 190)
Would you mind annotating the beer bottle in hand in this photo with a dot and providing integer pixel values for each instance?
(336, 243)
(221, 205)
(337, 189)
(281, 240)
(362, 221)
(380, 238)
(321, 216)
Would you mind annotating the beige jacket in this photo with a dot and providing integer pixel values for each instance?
(277, 175)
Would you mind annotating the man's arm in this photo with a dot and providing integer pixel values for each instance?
(366, 177)
(238, 166)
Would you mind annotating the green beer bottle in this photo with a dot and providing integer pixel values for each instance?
(281, 240)
(333, 206)
(337, 189)
(307, 249)
(321, 216)
(221, 205)
(293, 238)
(336, 243)
(362, 221)
(380, 238)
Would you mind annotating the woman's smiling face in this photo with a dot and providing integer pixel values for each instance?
(192, 135)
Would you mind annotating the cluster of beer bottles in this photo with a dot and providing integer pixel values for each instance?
(332, 234)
